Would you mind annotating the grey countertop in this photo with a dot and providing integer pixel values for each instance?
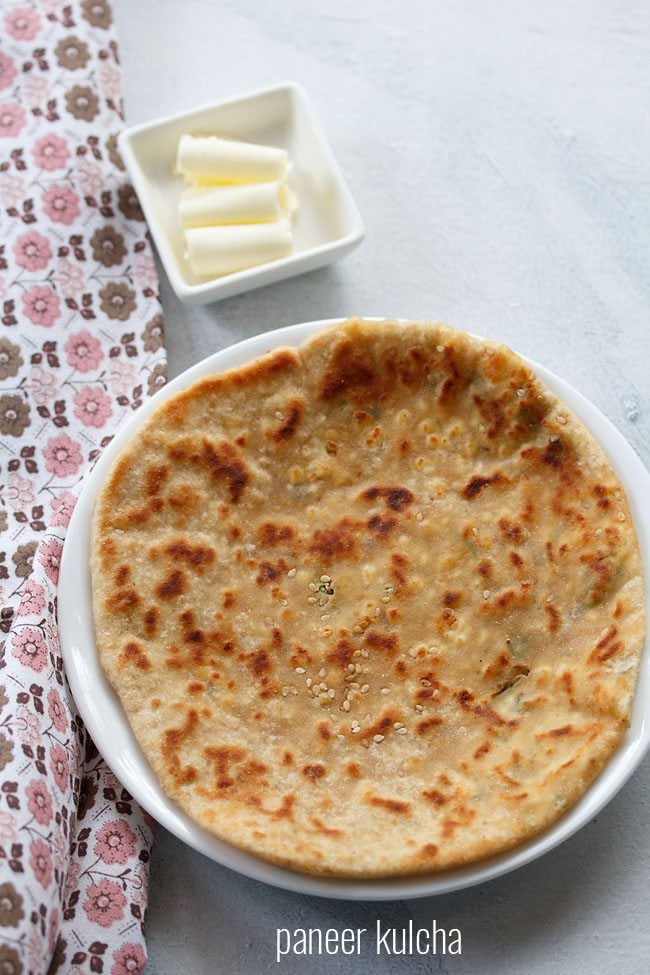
(499, 155)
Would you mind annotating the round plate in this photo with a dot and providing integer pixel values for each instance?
(106, 722)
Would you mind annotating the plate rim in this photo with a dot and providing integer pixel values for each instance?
(131, 766)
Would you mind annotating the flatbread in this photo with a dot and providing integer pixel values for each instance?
(372, 606)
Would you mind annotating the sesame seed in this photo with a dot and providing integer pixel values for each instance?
(385, 690)
(331, 692)
(285, 691)
(377, 611)
(474, 531)
(312, 600)
(325, 579)
(621, 516)
(365, 743)
(364, 654)
(300, 670)
(398, 725)
(358, 668)
(420, 516)
(385, 599)
(326, 631)
(342, 737)
(321, 672)
(292, 573)
(419, 707)
(486, 594)
(377, 738)
(402, 731)
(294, 690)
(357, 653)
(346, 705)
(354, 685)
(278, 415)
(325, 616)
(309, 682)
(351, 668)
(312, 586)
(357, 629)
(355, 731)
(323, 685)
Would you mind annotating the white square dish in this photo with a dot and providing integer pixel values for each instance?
(326, 226)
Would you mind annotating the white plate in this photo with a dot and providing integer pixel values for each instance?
(327, 224)
(106, 722)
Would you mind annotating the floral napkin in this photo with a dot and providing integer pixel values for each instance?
(81, 345)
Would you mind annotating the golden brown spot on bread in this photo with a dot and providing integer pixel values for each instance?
(482, 750)
(172, 741)
(270, 572)
(606, 647)
(485, 568)
(173, 585)
(325, 830)
(155, 479)
(387, 643)
(151, 621)
(225, 462)
(516, 559)
(342, 654)
(228, 599)
(339, 541)
(123, 600)
(289, 425)
(390, 805)
(122, 573)
(451, 598)
(429, 850)
(349, 373)
(565, 729)
(491, 410)
(288, 758)
(435, 796)
(270, 534)
(381, 527)
(354, 770)
(511, 531)
(554, 618)
(195, 686)
(183, 500)
(395, 498)
(398, 563)
(422, 727)
(478, 484)
(134, 653)
(325, 730)
(155, 702)
(197, 557)
(314, 772)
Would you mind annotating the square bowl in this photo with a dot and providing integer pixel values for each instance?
(327, 224)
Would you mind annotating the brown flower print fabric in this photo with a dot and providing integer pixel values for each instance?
(81, 346)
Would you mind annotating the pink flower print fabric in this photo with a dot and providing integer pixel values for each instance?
(81, 346)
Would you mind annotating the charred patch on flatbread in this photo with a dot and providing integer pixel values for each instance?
(271, 534)
(511, 531)
(293, 413)
(342, 654)
(314, 771)
(386, 643)
(134, 653)
(320, 827)
(172, 741)
(395, 806)
(350, 373)
(381, 527)
(338, 541)
(155, 478)
(478, 484)
(196, 557)
(174, 584)
(225, 462)
(395, 498)
(123, 600)
(270, 572)
(607, 647)
(150, 621)
(554, 621)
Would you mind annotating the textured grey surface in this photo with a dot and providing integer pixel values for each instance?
(499, 155)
